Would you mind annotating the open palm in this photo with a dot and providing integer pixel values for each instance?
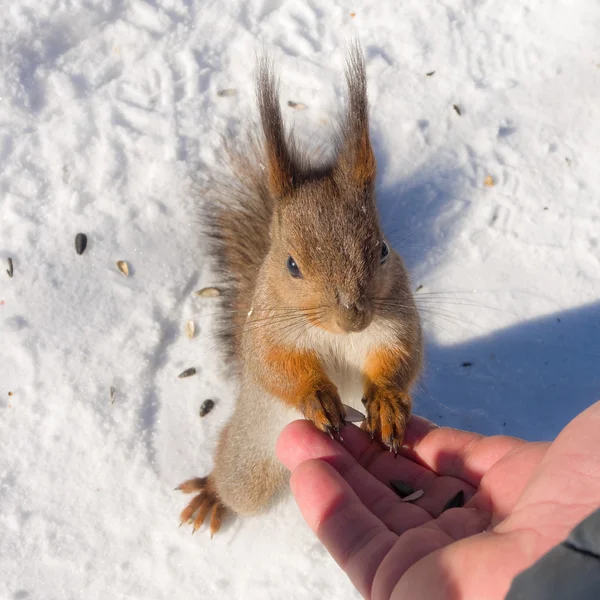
(521, 500)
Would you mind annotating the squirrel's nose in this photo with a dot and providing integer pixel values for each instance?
(347, 303)
(353, 314)
(355, 307)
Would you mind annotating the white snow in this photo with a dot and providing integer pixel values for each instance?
(108, 111)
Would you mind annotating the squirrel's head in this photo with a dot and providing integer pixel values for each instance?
(328, 256)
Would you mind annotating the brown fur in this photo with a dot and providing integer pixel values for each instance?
(279, 329)
(237, 215)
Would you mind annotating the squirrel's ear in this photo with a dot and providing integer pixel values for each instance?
(356, 160)
(280, 153)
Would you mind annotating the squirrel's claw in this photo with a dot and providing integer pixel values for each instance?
(192, 485)
(388, 410)
(205, 503)
(324, 408)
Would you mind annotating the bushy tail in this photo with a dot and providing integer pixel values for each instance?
(236, 213)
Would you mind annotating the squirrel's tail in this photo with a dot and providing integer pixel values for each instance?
(236, 216)
(238, 212)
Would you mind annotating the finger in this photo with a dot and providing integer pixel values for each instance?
(385, 467)
(573, 458)
(457, 453)
(356, 539)
(301, 441)
(382, 464)
(565, 487)
(502, 487)
(417, 429)
(456, 524)
(370, 454)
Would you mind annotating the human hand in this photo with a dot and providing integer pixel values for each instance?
(522, 499)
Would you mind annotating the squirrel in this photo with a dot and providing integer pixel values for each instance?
(318, 307)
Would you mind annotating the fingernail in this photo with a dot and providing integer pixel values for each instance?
(401, 488)
(456, 501)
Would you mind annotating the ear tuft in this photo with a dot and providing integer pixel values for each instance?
(355, 155)
(280, 153)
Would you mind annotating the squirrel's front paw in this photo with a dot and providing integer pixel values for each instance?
(388, 411)
(324, 408)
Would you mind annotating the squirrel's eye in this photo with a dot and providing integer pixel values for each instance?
(293, 268)
(385, 251)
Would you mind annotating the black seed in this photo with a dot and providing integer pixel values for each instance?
(456, 501)
(402, 489)
(10, 269)
(419, 288)
(467, 364)
(430, 73)
(187, 373)
(80, 243)
(206, 407)
(457, 109)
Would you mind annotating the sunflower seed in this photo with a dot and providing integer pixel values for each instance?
(187, 373)
(457, 109)
(123, 267)
(190, 329)
(10, 269)
(353, 415)
(430, 73)
(456, 501)
(402, 489)
(113, 394)
(227, 92)
(414, 496)
(206, 407)
(296, 105)
(80, 243)
(209, 292)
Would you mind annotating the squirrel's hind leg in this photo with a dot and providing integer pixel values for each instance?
(246, 472)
